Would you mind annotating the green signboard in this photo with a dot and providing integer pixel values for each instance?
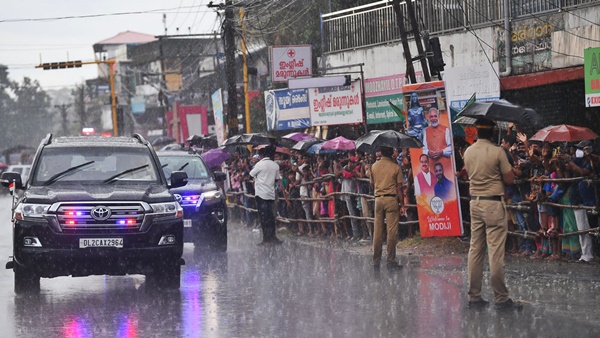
(380, 111)
(591, 68)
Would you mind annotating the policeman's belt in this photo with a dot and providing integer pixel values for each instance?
(486, 198)
(386, 195)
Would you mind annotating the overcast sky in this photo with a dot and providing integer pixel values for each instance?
(26, 41)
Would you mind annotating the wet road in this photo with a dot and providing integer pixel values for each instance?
(297, 290)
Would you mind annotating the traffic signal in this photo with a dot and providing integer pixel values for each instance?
(61, 65)
(437, 62)
(347, 80)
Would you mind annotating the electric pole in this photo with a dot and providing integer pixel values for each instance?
(410, 70)
(230, 73)
(417, 35)
(63, 114)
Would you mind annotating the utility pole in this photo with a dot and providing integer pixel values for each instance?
(417, 35)
(246, 100)
(63, 114)
(410, 70)
(230, 73)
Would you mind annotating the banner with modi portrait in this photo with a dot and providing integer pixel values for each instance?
(433, 166)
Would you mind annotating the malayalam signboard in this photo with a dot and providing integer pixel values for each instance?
(287, 109)
(290, 62)
(591, 68)
(217, 102)
(436, 188)
(531, 43)
(336, 105)
(380, 90)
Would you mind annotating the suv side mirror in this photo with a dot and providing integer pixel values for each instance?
(178, 179)
(220, 176)
(9, 176)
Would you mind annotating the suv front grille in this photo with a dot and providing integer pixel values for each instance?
(96, 216)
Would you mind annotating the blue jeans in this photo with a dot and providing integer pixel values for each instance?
(521, 224)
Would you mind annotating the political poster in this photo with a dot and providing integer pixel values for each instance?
(287, 109)
(217, 103)
(336, 105)
(435, 185)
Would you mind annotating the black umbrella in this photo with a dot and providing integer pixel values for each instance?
(249, 139)
(203, 141)
(306, 144)
(501, 110)
(163, 141)
(233, 148)
(373, 140)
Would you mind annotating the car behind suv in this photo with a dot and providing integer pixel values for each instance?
(203, 201)
(95, 206)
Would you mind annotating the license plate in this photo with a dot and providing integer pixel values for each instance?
(187, 223)
(101, 242)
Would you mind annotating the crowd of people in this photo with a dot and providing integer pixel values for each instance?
(331, 195)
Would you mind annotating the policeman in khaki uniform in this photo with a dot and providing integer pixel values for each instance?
(489, 171)
(386, 179)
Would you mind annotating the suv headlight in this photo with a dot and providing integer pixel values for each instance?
(167, 209)
(209, 195)
(29, 210)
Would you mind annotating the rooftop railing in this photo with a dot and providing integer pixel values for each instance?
(376, 23)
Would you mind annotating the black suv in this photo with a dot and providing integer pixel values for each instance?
(96, 206)
(203, 201)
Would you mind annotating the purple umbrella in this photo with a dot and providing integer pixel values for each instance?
(298, 136)
(215, 157)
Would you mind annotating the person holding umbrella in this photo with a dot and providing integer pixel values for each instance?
(489, 171)
(265, 174)
(386, 180)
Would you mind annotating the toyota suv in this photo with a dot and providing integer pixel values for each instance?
(203, 201)
(95, 206)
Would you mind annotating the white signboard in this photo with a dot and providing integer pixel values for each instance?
(463, 82)
(290, 62)
(336, 105)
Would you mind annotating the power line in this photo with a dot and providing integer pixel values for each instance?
(507, 31)
(571, 13)
(549, 23)
(161, 10)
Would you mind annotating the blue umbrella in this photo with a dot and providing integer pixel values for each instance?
(317, 149)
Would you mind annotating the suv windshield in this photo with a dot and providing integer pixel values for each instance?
(93, 164)
(192, 165)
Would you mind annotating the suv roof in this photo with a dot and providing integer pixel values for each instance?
(93, 140)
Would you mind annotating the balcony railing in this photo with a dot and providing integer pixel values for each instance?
(376, 23)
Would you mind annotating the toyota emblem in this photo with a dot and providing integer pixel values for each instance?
(101, 213)
(178, 198)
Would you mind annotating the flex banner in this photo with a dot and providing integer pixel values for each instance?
(336, 105)
(287, 109)
(433, 167)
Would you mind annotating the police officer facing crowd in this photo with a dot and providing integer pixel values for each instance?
(489, 171)
(386, 180)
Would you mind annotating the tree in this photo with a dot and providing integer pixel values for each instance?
(30, 119)
(79, 105)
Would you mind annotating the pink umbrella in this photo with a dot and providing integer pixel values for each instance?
(339, 143)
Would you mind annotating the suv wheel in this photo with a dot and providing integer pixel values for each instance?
(26, 281)
(165, 277)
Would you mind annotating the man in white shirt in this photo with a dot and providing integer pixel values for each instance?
(265, 173)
